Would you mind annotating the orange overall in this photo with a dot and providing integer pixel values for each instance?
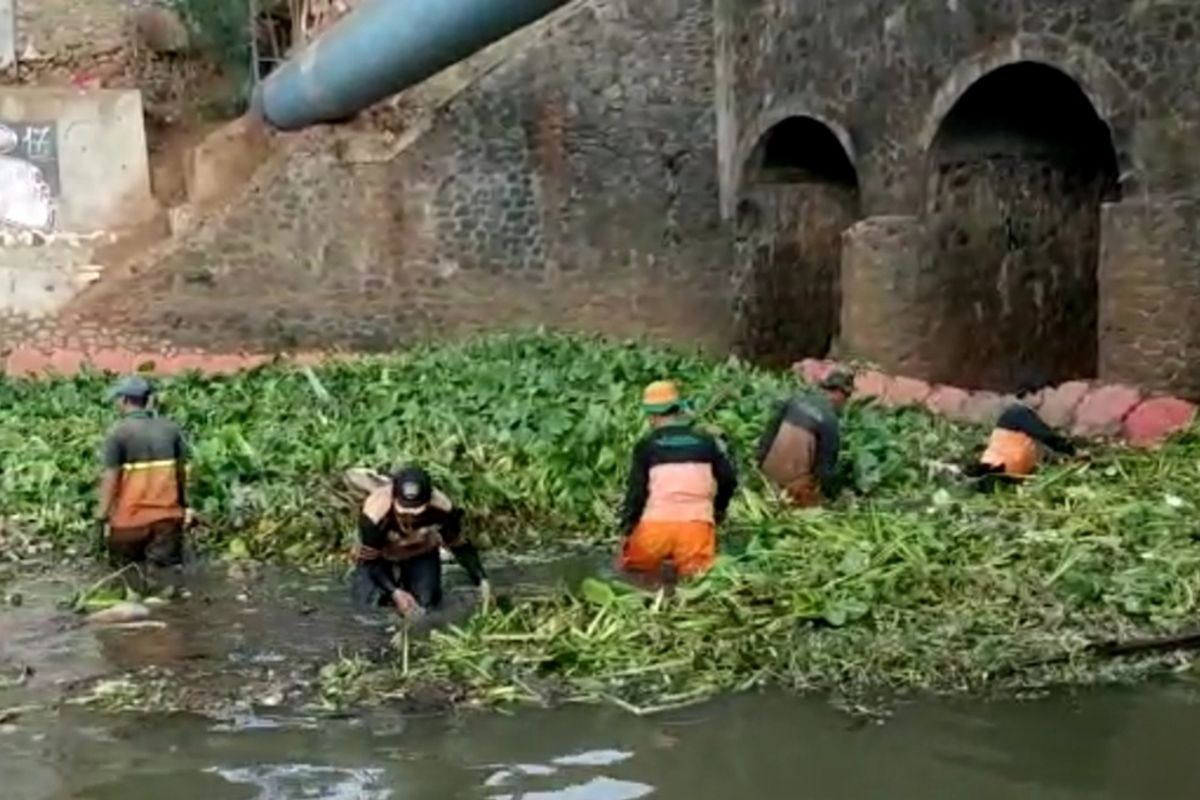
(1013, 451)
(681, 484)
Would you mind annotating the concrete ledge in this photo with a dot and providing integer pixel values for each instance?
(1089, 410)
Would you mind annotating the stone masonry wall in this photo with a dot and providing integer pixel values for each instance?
(888, 71)
(575, 185)
(888, 74)
(788, 257)
(1150, 295)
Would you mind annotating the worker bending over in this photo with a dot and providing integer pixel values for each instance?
(402, 527)
(798, 451)
(143, 490)
(680, 486)
(1012, 451)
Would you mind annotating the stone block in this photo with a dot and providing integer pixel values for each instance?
(113, 359)
(871, 384)
(224, 161)
(905, 392)
(1059, 404)
(161, 30)
(947, 401)
(815, 370)
(65, 361)
(1154, 420)
(1103, 409)
(24, 362)
(984, 408)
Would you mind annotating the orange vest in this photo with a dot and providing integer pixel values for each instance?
(1016, 452)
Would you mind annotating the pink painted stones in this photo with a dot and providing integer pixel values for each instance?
(983, 408)
(947, 401)
(1103, 409)
(905, 392)
(1059, 404)
(871, 384)
(1154, 420)
(815, 370)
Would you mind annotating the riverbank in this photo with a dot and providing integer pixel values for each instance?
(907, 582)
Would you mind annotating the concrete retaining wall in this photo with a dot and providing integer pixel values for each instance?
(72, 160)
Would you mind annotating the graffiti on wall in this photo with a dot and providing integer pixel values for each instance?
(29, 181)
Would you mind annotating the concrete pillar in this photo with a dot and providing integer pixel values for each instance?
(1149, 284)
(8, 33)
(885, 307)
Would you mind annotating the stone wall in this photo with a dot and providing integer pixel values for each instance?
(788, 257)
(892, 81)
(1150, 294)
(573, 185)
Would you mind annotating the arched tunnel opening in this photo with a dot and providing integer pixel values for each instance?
(1017, 174)
(800, 193)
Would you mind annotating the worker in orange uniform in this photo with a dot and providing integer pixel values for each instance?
(680, 486)
(798, 452)
(1012, 451)
(143, 489)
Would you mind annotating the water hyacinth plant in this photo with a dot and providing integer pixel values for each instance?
(907, 580)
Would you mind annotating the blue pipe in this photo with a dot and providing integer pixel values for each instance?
(384, 47)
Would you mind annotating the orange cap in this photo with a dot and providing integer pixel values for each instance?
(661, 397)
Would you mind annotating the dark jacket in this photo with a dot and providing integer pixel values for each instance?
(1021, 418)
(815, 414)
(388, 541)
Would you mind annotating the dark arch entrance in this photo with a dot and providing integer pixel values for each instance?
(1017, 174)
(800, 192)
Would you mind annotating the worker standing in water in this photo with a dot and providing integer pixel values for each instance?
(798, 451)
(680, 486)
(143, 490)
(1013, 449)
(402, 528)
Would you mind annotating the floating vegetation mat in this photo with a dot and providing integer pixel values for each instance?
(908, 581)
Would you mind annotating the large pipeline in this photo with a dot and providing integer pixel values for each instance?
(384, 47)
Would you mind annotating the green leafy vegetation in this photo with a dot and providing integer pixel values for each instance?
(914, 586)
(909, 580)
(222, 29)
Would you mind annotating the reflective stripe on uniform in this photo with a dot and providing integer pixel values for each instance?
(170, 462)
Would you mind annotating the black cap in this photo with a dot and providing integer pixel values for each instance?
(412, 488)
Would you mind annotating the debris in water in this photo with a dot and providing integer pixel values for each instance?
(119, 613)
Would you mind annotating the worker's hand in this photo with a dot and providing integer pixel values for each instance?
(406, 604)
(364, 553)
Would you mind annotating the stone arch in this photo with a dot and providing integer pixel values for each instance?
(1016, 172)
(750, 145)
(1112, 100)
(798, 192)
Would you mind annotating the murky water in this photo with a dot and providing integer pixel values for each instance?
(246, 634)
(1122, 744)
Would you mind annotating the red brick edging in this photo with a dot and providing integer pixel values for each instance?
(1090, 410)
(29, 362)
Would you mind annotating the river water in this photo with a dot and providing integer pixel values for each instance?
(247, 633)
